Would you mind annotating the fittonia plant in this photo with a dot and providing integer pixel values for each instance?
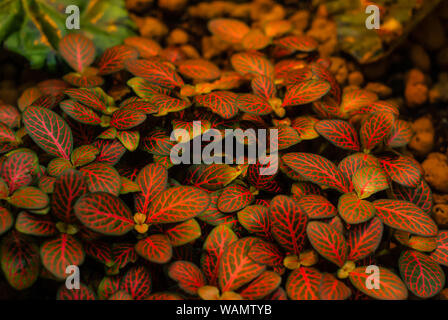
(86, 178)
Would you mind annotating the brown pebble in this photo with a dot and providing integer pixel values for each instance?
(440, 214)
(435, 169)
(355, 78)
(420, 58)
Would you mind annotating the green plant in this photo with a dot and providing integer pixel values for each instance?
(71, 195)
(33, 28)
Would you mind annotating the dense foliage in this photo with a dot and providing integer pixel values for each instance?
(86, 179)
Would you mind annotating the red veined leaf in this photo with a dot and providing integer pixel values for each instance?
(104, 213)
(59, 253)
(100, 251)
(278, 294)
(84, 155)
(10, 115)
(129, 139)
(125, 119)
(375, 128)
(28, 96)
(128, 186)
(406, 216)
(288, 223)
(236, 268)
(183, 233)
(111, 151)
(216, 242)
(68, 187)
(199, 69)
(187, 275)
(158, 143)
(255, 39)
(252, 63)
(80, 112)
(422, 275)
(155, 248)
(6, 220)
(213, 216)
(137, 282)
(152, 180)
(139, 105)
(363, 239)
(369, 180)
(57, 165)
(403, 170)
(211, 177)
(223, 103)
(340, 133)
(317, 206)
(303, 284)
(400, 134)
(296, 76)
(155, 72)
(46, 184)
(328, 242)
(145, 89)
(440, 255)
(352, 163)
(263, 87)
(83, 80)
(391, 286)
(421, 195)
(19, 260)
(29, 198)
(355, 210)
(380, 106)
(284, 67)
(108, 134)
(177, 204)
(112, 60)
(147, 48)
(353, 100)
(52, 86)
(108, 286)
(93, 98)
(83, 293)
(48, 101)
(164, 296)
(77, 50)
(265, 284)
(254, 104)
(18, 168)
(305, 92)
(266, 182)
(331, 288)
(337, 224)
(267, 253)
(256, 220)
(6, 134)
(49, 131)
(317, 169)
(121, 295)
(166, 104)
(234, 198)
(229, 30)
(102, 177)
(124, 253)
(423, 244)
(36, 226)
(297, 43)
